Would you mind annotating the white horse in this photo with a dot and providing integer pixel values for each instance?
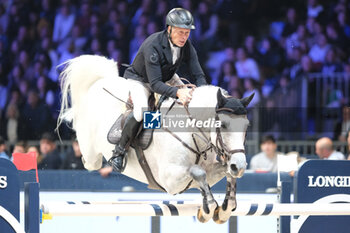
(93, 111)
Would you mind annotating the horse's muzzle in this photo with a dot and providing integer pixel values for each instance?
(237, 165)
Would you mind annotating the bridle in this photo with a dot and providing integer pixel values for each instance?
(221, 149)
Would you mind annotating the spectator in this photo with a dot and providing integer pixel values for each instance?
(250, 86)
(314, 9)
(15, 77)
(343, 23)
(95, 47)
(16, 98)
(306, 66)
(64, 22)
(12, 123)
(118, 34)
(3, 153)
(319, 50)
(47, 11)
(26, 65)
(50, 157)
(46, 46)
(4, 18)
(269, 58)
(235, 87)
(206, 27)
(332, 63)
(336, 38)
(23, 38)
(297, 39)
(145, 8)
(291, 24)
(77, 38)
(73, 159)
(293, 63)
(246, 67)
(227, 72)
(250, 47)
(135, 43)
(343, 127)
(67, 54)
(15, 20)
(325, 150)
(36, 150)
(123, 12)
(36, 116)
(83, 19)
(161, 12)
(266, 161)
(20, 147)
(288, 98)
(111, 21)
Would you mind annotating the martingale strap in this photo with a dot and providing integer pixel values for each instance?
(152, 183)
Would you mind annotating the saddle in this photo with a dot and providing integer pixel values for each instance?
(142, 140)
(144, 136)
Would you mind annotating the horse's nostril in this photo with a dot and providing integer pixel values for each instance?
(234, 167)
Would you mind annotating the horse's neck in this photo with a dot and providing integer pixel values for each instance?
(203, 102)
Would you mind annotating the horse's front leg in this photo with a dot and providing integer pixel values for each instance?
(223, 213)
(206, 212)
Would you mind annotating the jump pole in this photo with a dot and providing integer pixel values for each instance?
(157, 209)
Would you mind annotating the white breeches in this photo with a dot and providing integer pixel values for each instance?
(140, 93)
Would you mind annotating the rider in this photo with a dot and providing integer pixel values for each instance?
(156, 62)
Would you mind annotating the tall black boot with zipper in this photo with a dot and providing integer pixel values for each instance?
(129, 132)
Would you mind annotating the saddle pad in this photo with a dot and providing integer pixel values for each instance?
(115, 132)
(143, 139)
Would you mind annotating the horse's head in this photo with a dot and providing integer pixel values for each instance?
(230, 137)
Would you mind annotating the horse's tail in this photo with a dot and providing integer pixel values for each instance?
(77, 77)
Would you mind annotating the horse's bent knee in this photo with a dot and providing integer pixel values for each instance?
(198, 173)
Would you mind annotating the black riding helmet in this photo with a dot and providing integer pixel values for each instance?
(179, 17)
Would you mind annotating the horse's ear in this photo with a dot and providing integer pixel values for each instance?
(221, 99)
(245, 101)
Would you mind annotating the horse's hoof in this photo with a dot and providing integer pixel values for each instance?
(216, 217)
(201, 217)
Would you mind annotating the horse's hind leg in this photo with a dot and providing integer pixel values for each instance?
(223, 213)
(206, 212)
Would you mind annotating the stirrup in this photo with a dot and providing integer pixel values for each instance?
(121, 153)
(113, 165)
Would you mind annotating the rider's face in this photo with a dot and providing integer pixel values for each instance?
(179, 36)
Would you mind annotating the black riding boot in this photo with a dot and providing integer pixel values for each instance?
(129, 133)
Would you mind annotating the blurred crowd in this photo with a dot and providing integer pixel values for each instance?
(243, 46)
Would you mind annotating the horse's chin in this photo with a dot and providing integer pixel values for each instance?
(237, 173)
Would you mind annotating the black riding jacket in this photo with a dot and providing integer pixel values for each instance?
(153, 64)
